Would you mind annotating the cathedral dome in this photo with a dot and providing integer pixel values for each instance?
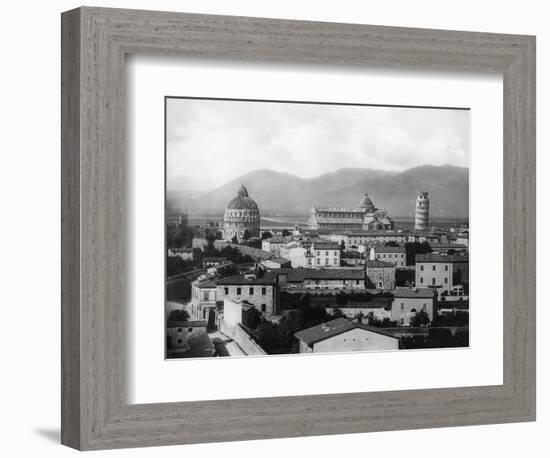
(242, 201)
(366, 202)
(242, 217)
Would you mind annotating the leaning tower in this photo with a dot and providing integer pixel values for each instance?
(422, 214)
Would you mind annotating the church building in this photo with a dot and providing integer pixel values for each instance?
(363, 217)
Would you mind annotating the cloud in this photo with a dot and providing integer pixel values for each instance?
(215, 141)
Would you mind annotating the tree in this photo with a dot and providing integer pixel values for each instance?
(342, 245)
(391, 243)
(337, 313)
(420, 318)
(266, 235)
(414, 248)
(341, 299)
(179, 315)
(246, 234)
(359, 317)
(286, 233)
(234, 240)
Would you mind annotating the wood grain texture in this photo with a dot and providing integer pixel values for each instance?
(95, 413)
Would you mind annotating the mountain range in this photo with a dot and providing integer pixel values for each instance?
(285, 193)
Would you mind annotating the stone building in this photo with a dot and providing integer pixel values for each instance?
(343, 335)
(380, 274)
(180, 333)
(422, 213)
(241, 214)
(330, 279)
(203, 300)
(395, 254)
(261, 292)
(446, 273)
(408, 302)
(363, 217)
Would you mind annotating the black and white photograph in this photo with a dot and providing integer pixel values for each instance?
(303, 227)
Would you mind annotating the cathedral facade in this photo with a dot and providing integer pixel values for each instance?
(241, 214)
(363, 217)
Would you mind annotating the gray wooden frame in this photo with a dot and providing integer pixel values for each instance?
(95, 413)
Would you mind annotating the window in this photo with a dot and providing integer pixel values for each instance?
(336, 253)
(402, 306)
(424, 307)
(335, 261)
(433, 267)
(402, 321)
(226, 291)
(446, 280)
(433, 281)
(190, 330)
(446, 268)
(180, 329)
(318, 253)
(238, 291)
(251, 291)
(318, 261)
(205, 295)
(421, 279)
(264, 291)
(326, 253)
(421, 267)
(180, 341)
(326, 262)
(263, 307)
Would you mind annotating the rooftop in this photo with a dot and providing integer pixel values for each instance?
(414, 293)
(301, 274)
(206, 284)
(333, 328)
(389, 249)
(279, 260)
(267, 279)
(378, 263)
(214, 259)
(325, 244)
(440, 258)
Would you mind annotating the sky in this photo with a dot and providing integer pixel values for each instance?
(211, 142)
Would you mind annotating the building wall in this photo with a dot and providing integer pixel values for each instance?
(399, 259)
(356, 340)
(326, 258)
(442, 276)
(179, 335)
(202, 301)
(402, 308)
(236, 221)
(380, 277)
(334, 283)
(232, 312)
(266, 303)
(297, 256)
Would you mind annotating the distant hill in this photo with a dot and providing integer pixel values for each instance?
(395, 191)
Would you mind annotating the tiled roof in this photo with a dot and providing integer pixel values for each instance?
(302, 274)
(206, 284)
(414, 293)
(268, 279)
(324, 245)
(389, 249)
(378, 263)
(440, 258)
(333, 328)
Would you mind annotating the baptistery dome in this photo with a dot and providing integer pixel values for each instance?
(241, 214)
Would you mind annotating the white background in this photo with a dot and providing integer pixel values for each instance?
(29, 185)
(149, 79)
